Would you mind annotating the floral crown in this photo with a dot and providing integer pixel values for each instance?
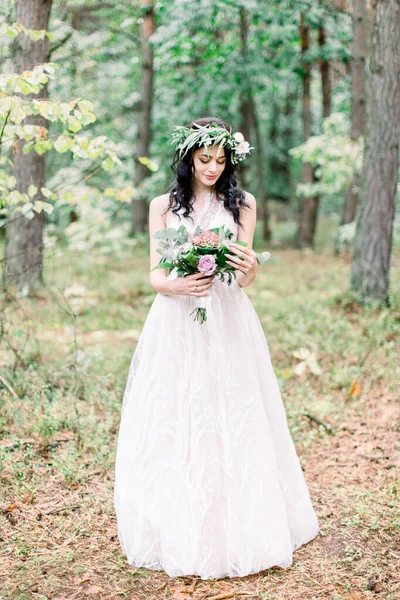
(184, 138)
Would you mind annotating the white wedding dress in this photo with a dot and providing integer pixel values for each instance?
(207, 479)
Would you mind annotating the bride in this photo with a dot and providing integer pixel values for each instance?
(207, 479)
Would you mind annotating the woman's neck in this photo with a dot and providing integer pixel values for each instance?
(200, 190)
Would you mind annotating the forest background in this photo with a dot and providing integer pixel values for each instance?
(315, 87)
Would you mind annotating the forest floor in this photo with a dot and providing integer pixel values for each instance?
(60, 407)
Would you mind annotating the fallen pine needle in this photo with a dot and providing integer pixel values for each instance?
(190, 588)
(162, 586)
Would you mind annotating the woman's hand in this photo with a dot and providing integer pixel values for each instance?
(244, 259)
(191, 285)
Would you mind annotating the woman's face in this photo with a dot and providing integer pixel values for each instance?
(209, 162)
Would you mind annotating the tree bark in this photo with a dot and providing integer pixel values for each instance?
(374, 231)
(144, 117)
(309, 205)
(277, 167)
(359, 51)
(324, 68)
(24, 237)
(287, 139)
(246, 107)
(262, 200)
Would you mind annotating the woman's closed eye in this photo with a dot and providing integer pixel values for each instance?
(207, 161)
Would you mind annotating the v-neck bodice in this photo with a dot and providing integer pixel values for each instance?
(212, 214)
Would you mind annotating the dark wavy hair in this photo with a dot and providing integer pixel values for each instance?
(226, 190)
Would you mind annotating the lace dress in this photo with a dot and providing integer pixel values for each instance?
(207, 479)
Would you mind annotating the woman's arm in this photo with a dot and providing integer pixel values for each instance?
(158, 278)
(192, 285)
(248, 266)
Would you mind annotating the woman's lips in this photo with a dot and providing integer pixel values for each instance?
(211, 176)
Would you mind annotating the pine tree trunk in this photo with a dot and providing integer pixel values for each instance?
(359, 51)
(309, 205)
(262, 200)
(246, 108)
(140, 207)
(373, 241)
(287, 134)
(24, 237)
(278, 167)
(324, 68)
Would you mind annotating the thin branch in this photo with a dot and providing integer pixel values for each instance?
(60, 43)
(130, 36)
(3, 128)
(315, 420)
(10, 389)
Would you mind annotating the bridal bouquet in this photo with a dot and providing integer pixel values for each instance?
(203, 252)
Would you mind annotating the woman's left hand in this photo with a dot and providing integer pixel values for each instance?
(244, 258)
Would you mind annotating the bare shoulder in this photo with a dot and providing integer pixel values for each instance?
(250, 199)
(160, 203)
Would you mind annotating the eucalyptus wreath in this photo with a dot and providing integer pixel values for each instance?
(183, 138)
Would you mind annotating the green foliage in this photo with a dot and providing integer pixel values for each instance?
(14, 29)
(200, 69)
(16, 103)
(334, 154)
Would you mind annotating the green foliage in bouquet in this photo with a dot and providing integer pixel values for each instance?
(182, 251)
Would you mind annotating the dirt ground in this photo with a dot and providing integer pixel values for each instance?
(352, 480)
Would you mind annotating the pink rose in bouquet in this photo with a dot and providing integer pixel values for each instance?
(207, 264)
(202, 252)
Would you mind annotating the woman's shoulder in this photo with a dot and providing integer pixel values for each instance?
(160, 203)
(249, 199)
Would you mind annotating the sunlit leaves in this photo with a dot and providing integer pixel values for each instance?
(32, 190)
(26, 207)
(14, 29)
(17, 114)
(15, 106)
(125, 194)
(150, 164)
(74, 124)
(63, 143)
(110, 161)
(47, 193)
(334, 155)
(107, 163)
(28, 82)
(39, 205)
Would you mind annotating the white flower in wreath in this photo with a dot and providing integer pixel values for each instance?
(243, 148)
(208, 141)
(238, 137)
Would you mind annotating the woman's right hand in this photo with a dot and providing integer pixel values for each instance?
(192, 285)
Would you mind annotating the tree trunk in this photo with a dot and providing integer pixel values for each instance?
(262, 200)
(246, 107)
(309, 205)
(324, 68)
(287, 138)
(24, 237)
(249, 122)
(144, 118)
(359, 51)
(374, 231)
